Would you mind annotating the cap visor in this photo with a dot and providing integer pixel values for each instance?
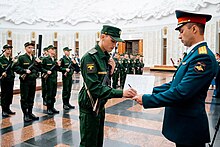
(179, 26)
(117, 39)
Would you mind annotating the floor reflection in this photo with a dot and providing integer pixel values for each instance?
(127, 124)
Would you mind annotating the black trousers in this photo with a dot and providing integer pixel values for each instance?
(198, 145)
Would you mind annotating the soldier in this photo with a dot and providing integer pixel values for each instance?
(132, 64)
(43, 82)
(142, 64)
(7, 81)
(95, 90)
(67, 68)
(28, 70)
(185, 120)
(125, 69)
(50, 66)
(115, 76)
(138, 65)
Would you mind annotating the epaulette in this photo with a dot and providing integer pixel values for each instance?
(92, 51)
(202, 50)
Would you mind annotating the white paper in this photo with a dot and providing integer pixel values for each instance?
(144, 84)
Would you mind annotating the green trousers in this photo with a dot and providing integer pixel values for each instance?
(91, 128)
(67, 86)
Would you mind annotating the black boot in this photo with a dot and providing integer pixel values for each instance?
(5, 114)
(26, 116)
(71, 106)
(54, 110)
(49, 110)
(10, 112)
(31, 115)
(66, 107)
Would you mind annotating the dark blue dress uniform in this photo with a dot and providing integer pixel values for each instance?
(185, 120)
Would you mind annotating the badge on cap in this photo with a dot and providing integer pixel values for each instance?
(91, 68)
(199, 67)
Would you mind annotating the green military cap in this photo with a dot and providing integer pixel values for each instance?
(45, 49)
(28, 44)
(51, 47)
(7, 46)
(113, 32)
(66, 49)
(189, 17)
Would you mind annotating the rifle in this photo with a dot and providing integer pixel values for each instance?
(9, 65)
(2, 52)
(45, 75)
(69, 66)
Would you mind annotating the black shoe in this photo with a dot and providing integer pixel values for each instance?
(66, 107)
(44, 103)
(70, 106)
(26, 118)
(11, 112)
(33, 117)
(5, 114)
(55, 111)
(50, 112)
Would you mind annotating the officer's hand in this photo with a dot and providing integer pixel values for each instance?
(67, 69)
(49, 72)
(111, 62)
(138, 99)
(4, 74)
(129, 93)
(28, 71)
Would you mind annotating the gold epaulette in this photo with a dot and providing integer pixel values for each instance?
(202, 50)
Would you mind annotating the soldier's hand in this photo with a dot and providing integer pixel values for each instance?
(111, 62)
(74, 61)
(38, 60)
(59, 63)
(129, 93)
(49, 72)
(28, 71)
(4, 74)
(138, 99)
(67, 69)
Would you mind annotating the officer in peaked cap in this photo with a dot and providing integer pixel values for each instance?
(7, 46)
(95, 72)
(185, 120)
(188, 17)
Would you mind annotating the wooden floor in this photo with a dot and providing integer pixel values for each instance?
(127, 124)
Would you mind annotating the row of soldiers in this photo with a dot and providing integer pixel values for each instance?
(126, 64)
(28, 67)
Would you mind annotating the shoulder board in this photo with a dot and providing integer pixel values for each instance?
(92, 51)
(202, 50)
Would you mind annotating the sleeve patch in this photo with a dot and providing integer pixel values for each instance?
(202, 50)
(199, 67)
(91, 68)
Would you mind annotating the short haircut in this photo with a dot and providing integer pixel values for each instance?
(199, 25)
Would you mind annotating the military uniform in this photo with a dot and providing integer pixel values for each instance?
(217, 82)
(67, 79)
(131, 66)
(43, 82)
(50, 64)
(138, 67)
(185, 120)
(27, 83)
(125, 70)
(94, 69)
(115, 76)
(7, 83)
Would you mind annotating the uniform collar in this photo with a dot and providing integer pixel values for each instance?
(191, 47)
(101, 53)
